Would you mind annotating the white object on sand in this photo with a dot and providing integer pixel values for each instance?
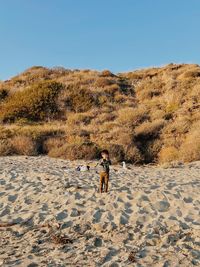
(83, 168)
(124, 165)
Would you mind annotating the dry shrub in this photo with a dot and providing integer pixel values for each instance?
(86, 150)
(104, 99)
(24, 145)
(3, 94)
(77, 99)
(168, 154)
(106, 73)
(5, 133)
(104, 117)
(119, 98)
(53, 143)
(116, 152)
(131, 116)
(111, 89)
(157, 114)
(148, 94)
(153, 148)
(146, 90)
(195, 92)
(75, 138)
(190, 74)
(78, 118)
(195, 95)
(102, 82)
(134, 75)
(149, 129)
(108, 126)
(122, 136)
(190, 149)
(6, 148)
(181, 125)
(171, 107)
(133, 155)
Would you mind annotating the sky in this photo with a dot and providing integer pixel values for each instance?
(120, 35)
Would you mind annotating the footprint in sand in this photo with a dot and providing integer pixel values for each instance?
(74, 213)
(162, 206)
(61, 215)
(98, 242)
(6, 211)
(2, 193)
(188, 200)
(97, 216)
(128, 208)
(2, 182)
(123, 219)
(12, 198)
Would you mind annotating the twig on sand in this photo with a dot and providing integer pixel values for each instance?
(58, 238)
(7, 224)
(132, 256)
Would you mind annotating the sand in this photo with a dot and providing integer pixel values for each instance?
(53, 215)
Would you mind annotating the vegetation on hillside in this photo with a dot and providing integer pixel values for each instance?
(144, 116)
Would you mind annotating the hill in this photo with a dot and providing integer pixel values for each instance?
(144, 116)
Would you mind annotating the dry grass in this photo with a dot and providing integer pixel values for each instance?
(102, 82)
(78, 118)
(24, 145)
(133, 154)
(53, 144)
(131, 116)
(149, 129)
(6, 148)
(106, 73)
(190, 148)
(87, 151)
(3, 94)
(168, 154)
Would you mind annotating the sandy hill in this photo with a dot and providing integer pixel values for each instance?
(144, 116)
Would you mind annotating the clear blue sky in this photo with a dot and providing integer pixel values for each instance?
(119, 35)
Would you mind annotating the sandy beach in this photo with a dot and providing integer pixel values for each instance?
(53, 215)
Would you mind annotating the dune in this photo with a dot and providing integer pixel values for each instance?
(53, 215)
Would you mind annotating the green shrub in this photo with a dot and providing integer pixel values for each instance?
(37, 102)
(77, 99)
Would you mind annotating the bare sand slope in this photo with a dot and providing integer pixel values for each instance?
(52, 215)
